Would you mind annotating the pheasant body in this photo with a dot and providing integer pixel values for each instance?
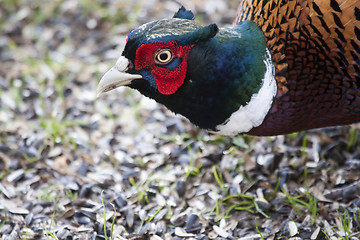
(315, 47)
(284, 66)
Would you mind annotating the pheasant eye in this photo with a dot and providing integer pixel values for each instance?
(163, 56)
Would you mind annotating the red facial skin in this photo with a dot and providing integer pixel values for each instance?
(167, 80)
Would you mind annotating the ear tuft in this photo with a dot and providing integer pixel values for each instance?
(182, 13)
(198, 35)
(206, 32)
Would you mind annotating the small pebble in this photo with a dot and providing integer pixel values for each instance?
(83, 220)
(193, 224)
(16, 176)
(120, 202)
(6, 229)
(293, 230)
(130, 217)
(180, 232)
(180, 187)
(29, 218)
(63, 233)
(85, 190)
(221, 231)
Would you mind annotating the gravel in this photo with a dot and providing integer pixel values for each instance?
(71, 164)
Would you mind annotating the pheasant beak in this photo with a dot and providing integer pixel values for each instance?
(116, 77)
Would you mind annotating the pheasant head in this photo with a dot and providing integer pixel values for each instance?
(220, 79)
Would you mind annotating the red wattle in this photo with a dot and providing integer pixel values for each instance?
(167, 80)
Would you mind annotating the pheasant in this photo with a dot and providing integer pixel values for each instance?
(284, 66)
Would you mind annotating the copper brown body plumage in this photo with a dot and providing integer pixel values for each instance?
(315, 46)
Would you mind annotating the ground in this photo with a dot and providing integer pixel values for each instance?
(70, 161)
